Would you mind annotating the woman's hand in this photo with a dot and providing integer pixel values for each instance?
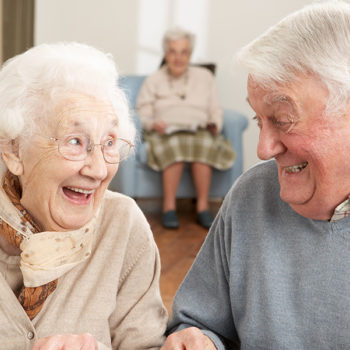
(66, 342)
(159, 126)
(212, 128)
(188, 339)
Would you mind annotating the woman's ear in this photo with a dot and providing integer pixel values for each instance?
(12, 160)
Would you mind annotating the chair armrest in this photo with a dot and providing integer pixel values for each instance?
(125, 179)
(234, 123)
(233, 127)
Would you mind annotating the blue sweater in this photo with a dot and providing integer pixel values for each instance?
(267, 277)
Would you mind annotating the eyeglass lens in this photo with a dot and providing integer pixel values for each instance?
(77, 147)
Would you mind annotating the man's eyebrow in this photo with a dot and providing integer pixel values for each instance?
(276, 98)
(247, 99)
(281, 98)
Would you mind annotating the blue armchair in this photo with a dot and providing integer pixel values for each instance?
(137, 180)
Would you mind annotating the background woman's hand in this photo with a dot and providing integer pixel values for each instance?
(159, 126)
(212, 128)
(188, 339)
(66, 342)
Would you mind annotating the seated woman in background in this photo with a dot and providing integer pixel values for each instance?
(182, 119)
(78, 264)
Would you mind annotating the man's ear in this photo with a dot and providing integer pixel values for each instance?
(13, 162)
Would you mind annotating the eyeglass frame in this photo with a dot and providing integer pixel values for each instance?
(91, 147)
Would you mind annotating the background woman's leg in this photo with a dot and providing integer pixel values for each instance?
(171, 178)
(201, 174)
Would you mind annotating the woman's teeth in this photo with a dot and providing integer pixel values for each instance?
(296, 168)
(80, 190)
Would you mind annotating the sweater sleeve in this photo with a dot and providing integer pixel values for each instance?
(203, 299)
(145, 103)
(140, 318)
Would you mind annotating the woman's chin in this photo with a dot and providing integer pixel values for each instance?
(68, 223)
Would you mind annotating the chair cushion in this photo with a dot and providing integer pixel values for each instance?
(131, 84)
(141, 154)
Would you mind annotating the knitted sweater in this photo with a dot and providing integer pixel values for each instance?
(267, 277)
(159, 99)
(114, 294)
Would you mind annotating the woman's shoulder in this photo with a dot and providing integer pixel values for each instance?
(158, 75)
(122, 212)
(200, 72)
(119, 200)
(125, 227)
(121, 206)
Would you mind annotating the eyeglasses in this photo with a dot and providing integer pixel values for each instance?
(77, 147)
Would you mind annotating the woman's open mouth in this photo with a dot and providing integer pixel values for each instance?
(78, 194)
(295, 168)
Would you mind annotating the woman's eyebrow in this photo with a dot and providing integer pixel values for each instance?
(77, 123)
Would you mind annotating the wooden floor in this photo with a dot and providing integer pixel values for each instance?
(178, 247)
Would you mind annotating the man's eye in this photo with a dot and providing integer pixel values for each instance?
(257, 120)
(280, 123)
(285, 125)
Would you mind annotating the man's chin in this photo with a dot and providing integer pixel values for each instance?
(294, 198)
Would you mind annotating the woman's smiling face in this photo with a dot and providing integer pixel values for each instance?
(63, 194)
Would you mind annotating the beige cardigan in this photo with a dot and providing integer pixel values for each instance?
(114, 295)
(159, 99)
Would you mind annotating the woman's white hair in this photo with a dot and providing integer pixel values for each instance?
(176, 34)
(33, 82)
(314, 40)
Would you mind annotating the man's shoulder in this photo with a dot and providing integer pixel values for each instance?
(256, 184)
(261, 173)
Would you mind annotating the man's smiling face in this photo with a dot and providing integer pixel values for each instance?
(311, 149)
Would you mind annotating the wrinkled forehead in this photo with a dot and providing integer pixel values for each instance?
(82, 111)
(272, 95)
(181, 43)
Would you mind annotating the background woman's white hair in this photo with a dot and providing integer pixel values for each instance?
(32, 82)
(176, 34)
(314, 40)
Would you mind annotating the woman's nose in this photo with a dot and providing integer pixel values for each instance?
(270, 144)
(95, 164)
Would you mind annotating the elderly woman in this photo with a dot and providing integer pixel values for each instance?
(182, 120)
(277, 259)
(79, 267)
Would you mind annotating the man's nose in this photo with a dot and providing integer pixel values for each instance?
(270, 144)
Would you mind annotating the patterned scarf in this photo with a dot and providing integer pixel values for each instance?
(31, 298)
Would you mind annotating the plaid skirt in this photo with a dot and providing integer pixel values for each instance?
(201, 146)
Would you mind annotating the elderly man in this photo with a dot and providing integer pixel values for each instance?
(273, 272)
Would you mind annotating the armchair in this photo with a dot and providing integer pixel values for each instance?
(137, 180)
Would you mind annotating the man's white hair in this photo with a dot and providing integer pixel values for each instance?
(176, 34)
(314, 40)
(33, 82)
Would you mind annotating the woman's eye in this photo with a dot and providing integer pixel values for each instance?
(110, 143)
(75, 141)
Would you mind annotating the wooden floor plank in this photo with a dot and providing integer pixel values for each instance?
(177, 248)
